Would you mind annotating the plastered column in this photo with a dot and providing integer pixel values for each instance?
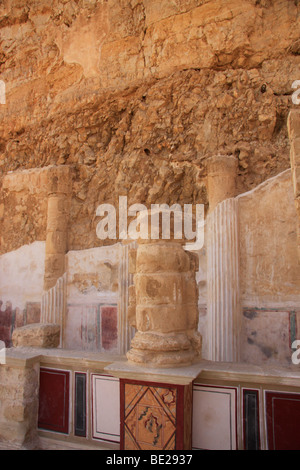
(59, 187)
(166, 312)
(223, 303)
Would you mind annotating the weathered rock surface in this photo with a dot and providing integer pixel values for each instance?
(136, 95)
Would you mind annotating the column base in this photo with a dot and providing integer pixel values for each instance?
(163, 359)
(174, 350)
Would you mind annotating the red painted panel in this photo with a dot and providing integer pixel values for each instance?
(283, 418)
(109, 327)
(6, 317)
(54, 400)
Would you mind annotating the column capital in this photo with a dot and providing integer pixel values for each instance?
(59, 179)
(217, 164)
(221, 178)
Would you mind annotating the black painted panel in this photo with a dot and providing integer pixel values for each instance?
(80, 404)
(251, 420)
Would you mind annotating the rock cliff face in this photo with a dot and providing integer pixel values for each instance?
(135, 95)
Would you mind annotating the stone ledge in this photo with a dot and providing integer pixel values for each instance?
(49, 442)
(178, 375)
(229, 371)
(26, 356)
(271, 374)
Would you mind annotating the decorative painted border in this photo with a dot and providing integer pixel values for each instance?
(293, 318)
(98, 432)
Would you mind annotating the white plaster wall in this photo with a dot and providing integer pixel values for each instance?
(22, 275)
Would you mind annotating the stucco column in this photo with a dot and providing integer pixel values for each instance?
(59, 188)
(223, 293)
(223, 304)
(221, 179)
(166, 310)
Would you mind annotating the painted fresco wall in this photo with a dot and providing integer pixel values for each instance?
(269, 274)
(92, 313)
(21, 287)
(87, 309)
(269, 271)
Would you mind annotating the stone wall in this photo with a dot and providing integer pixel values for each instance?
(19, 386)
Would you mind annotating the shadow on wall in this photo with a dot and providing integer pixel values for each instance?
(14, 318)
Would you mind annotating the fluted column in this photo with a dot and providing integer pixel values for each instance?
(223, 305)
(223, 283)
